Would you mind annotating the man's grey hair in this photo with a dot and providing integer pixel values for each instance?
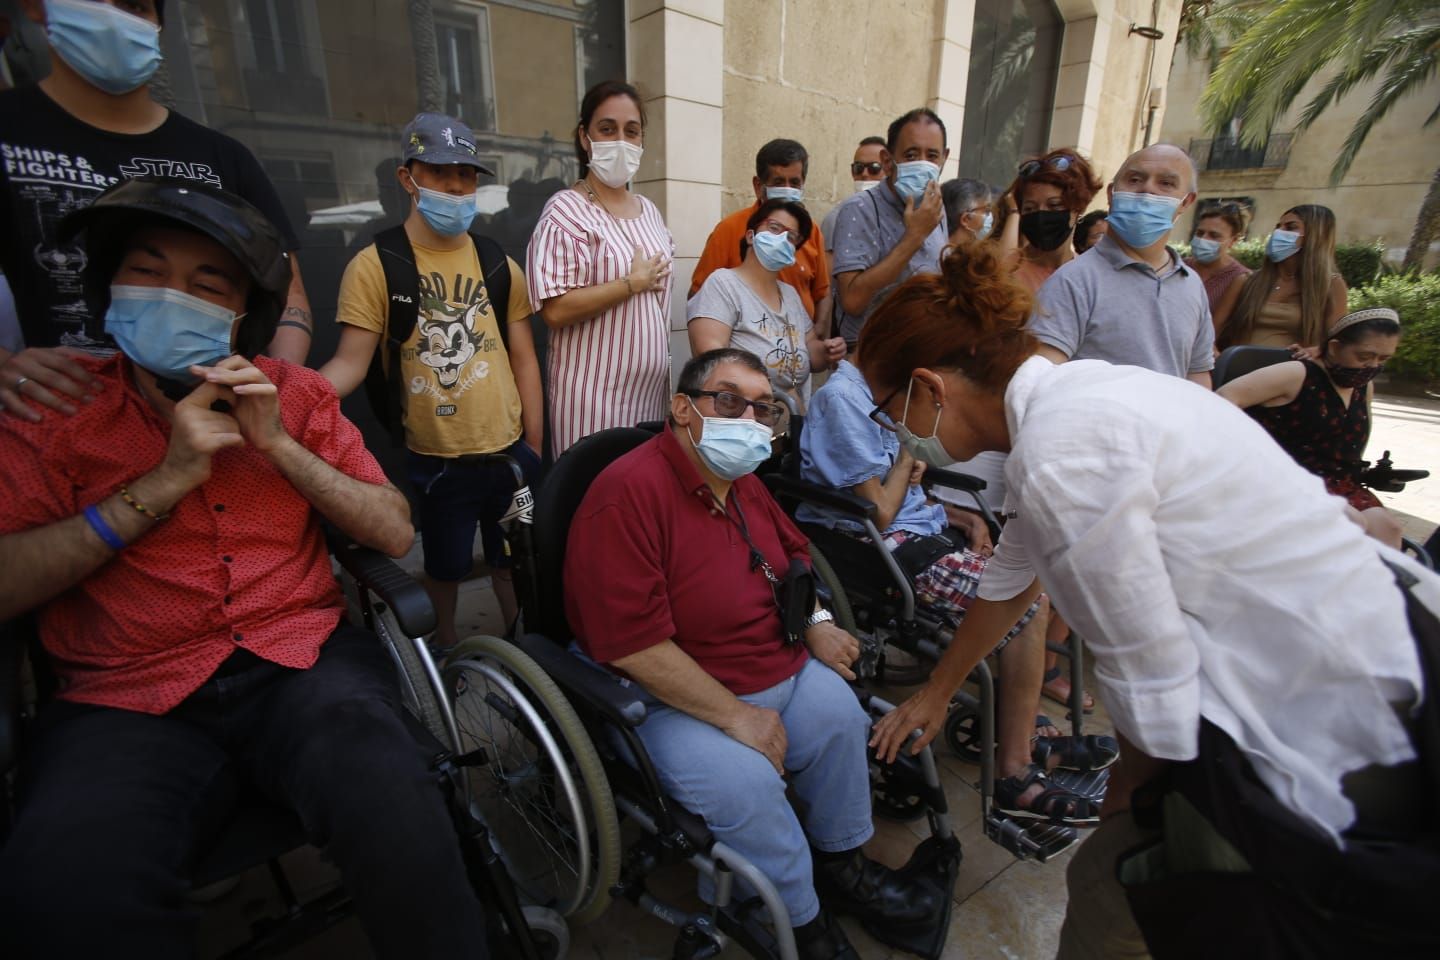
(698, 369)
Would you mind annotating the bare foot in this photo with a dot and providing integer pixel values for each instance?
(1058, 690)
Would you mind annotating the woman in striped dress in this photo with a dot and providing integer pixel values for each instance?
(599, 275)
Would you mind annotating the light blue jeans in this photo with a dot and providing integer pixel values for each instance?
(741, 797)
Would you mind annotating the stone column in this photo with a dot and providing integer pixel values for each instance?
(950, 54)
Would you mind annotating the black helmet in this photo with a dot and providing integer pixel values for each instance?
(132, 205)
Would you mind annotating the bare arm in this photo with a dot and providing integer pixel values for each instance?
(824, 316)
(707, 333)
(1224, 309)
(346, 370)
(1050, 353)
(1009, 238)
(1201, 377)
(672, 676)
(586, 303)
(525, 367)
(1272, 386)
(1336, 304)
(375, 515)
(857, 288)
(292, 337)
(889, 495)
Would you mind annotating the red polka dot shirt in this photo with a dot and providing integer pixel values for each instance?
(241, 562)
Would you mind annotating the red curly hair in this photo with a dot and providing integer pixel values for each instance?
(970, 317)
(1078, 185)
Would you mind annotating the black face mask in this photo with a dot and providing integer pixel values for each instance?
(1353, 377)
(1046, 229)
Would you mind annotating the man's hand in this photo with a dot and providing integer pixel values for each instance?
(923, 217)
(760, 729)
(917, 471)
(925, 710)
(970, 523)
(197, 433)
(834, 350)
(833, 647)
(255, 400)
(45, 377)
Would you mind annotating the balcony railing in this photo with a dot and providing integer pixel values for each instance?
(1228, 153)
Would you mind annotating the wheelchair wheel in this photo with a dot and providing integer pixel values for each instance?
(548, 929)
(542, 789)
(419, 690)
(839, 602)
(962, 733)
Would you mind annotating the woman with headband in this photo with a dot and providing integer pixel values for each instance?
(1319, 410)
(1249, 641)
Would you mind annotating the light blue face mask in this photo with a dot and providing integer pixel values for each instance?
(928, 450)
(1141, 219)
(1204, 249)
(731, 448)
(773, 250)
(447, 215)
(793, 194)
(1282, 245)
(913, 176)
(986, 225)
(167, 331)
(113, 50)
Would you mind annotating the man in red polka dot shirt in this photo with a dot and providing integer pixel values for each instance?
(167, 536)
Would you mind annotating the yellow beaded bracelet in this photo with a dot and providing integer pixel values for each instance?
(141, 508)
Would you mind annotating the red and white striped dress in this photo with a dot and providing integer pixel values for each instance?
(614, 369)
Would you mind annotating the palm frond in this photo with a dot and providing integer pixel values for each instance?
(1404, 76)
(1412, 44)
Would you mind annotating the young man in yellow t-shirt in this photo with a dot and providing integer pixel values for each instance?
(465, 389)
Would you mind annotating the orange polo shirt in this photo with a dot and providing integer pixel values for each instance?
(809, 274)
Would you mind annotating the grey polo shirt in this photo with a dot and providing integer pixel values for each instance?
(1105, 306)
(867, 227)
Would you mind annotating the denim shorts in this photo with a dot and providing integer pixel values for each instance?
(458, 495)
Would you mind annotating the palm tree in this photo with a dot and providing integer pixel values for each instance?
(427, 55)
(1280, 47)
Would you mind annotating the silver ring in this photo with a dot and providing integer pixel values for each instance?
(20, 383)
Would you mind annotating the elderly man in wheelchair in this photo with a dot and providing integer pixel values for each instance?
(944, 550)
(167, 536)
(686, 577)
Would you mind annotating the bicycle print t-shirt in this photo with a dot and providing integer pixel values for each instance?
(51, 163)
(777, 337)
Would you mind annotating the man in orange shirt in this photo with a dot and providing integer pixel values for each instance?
(780, 170)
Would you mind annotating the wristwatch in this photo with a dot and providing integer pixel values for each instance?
(819, 616)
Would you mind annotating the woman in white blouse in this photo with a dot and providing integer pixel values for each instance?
(598, 267)
(1225, 596)
(750, 307)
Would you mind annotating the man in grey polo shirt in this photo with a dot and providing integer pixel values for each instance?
(887, 234)
(1130, 299)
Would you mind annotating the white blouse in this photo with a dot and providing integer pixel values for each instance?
(1210, 576)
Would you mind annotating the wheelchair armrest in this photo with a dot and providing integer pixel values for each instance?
(841, 501)
(383, 577)
(600, 690)
(953, 480)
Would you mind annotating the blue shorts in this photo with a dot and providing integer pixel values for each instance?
(455, 497)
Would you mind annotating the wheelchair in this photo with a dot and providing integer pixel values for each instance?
(1382, 475)
(575, 766)
(397, 610)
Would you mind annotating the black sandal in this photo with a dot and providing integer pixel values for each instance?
(1054, 803)
(1083, 754)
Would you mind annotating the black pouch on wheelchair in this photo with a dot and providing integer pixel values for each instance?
(795, 596)
(917, 553)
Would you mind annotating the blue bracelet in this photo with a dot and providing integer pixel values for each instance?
(102, 529)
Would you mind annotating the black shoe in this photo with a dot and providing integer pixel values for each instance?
(822, 939)
(852, 883)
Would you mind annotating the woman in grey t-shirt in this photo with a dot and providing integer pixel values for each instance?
(750, 308)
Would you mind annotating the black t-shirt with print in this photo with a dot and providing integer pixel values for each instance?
(51, 163)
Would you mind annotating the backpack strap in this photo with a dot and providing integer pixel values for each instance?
(495, 269)
(402, 286)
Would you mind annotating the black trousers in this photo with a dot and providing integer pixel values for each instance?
(115, 804)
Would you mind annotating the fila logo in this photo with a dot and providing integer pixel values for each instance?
(401, 298)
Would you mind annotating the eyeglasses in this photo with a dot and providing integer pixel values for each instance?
(874, 168)
(779, 229)
(880, 416)
(1059, 164)
(732, 406)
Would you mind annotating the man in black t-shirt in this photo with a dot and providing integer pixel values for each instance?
(86, 126)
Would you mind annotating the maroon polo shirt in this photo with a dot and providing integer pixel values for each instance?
(652, 557)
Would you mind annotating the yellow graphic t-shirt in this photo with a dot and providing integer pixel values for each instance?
(460, 396)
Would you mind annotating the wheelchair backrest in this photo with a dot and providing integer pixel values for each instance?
(1235, 362)
(555, 507)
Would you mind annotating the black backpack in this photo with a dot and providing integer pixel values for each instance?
(402, 284)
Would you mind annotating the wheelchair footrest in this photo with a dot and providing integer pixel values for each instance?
(1092, 785)
(1029, 839)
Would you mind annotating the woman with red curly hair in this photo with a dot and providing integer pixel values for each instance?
(1212, 628)
(1048, 195)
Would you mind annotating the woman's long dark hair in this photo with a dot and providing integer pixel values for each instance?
(595, 96)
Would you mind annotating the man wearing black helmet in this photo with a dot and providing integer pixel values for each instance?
(86, 126)
(167, 536)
